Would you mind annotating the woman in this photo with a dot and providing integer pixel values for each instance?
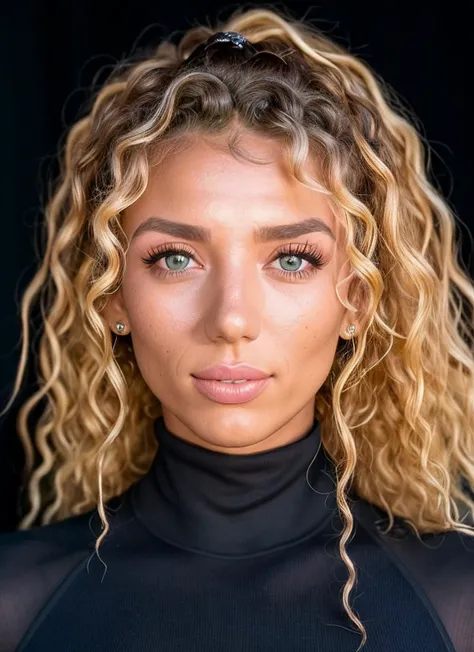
(258, 370)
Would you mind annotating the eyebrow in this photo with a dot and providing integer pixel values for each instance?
(261, 234)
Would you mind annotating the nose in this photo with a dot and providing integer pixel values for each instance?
(236, 304)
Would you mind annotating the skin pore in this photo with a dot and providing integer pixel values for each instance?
(232, 299)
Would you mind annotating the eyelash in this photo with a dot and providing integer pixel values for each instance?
(306, 251)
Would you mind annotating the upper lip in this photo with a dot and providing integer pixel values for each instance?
(234, 372)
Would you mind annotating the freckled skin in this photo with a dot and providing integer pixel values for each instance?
(232, 304)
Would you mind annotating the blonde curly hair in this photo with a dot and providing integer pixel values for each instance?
(397, 407)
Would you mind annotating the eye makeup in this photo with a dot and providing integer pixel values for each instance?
(309, 252)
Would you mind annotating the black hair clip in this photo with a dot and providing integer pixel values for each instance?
(223, 42)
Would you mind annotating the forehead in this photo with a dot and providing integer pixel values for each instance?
(202, 182)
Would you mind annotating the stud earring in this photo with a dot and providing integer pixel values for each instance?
(351, 329)
(119, 326)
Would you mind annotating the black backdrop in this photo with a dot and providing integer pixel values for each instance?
(52, 51)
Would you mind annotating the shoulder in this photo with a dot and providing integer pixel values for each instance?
(451, 547)
(34, 563)
(60, 535)
(23, 548)
(439, 567)
(23, 551)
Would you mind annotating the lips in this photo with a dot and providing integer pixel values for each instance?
(231, 393)
(234, 372)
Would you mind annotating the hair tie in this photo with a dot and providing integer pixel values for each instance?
(223, 42)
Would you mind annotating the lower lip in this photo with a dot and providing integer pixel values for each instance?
(230, 392)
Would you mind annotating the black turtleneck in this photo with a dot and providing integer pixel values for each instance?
(236, 505)
(212, 551)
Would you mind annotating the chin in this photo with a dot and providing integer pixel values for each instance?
(231, 427)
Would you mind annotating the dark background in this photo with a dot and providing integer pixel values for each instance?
(52, 52)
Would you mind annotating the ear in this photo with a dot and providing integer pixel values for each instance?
(114, 311)
(359, 299)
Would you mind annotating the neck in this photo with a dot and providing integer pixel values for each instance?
(236, 504)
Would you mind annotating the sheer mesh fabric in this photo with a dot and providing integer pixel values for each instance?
(33, 564)
(439, 566)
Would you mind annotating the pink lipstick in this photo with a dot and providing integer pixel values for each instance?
(248, 383)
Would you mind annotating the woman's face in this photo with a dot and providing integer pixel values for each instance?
(232, 297)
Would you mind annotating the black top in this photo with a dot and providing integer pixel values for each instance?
(212, 551)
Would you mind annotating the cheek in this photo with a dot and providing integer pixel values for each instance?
(154, 307)
(315, 314)
(161, 320)
(309, 329)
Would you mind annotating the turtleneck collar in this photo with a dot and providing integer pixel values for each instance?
(235, 505)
